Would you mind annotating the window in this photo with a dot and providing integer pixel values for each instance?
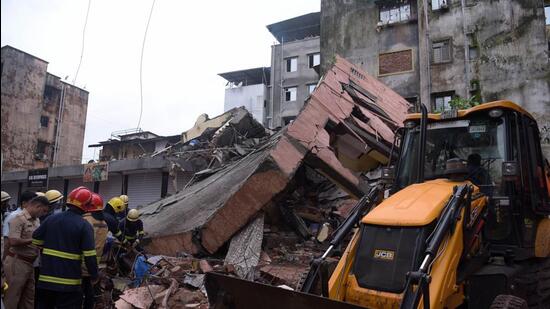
(288, 120)
(44, 121)
(314, 60)
(290, 94)
(51, 95)
(394, 14)
(292, 64)
(442, 101)
(547, 14)
(310, 88)
(395, 62)
(441, 51)
(472, 52)
(439, 4)
(41, 148)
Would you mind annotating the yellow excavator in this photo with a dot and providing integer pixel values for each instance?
(461, 222)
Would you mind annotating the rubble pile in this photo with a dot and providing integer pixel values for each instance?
(262, 204)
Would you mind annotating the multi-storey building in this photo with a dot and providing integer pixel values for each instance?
(43, 117)
(293, 62)
(248, 88)
(434, 50)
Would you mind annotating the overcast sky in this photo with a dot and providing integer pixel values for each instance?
(188, 44)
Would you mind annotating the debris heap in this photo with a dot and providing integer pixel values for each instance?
(264, 203)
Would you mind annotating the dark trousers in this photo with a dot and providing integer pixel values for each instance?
(48, 299)
(89, 293)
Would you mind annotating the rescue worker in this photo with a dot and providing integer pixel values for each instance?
(114, 206)
(26, 196)
(67, 239)
(121, 216)
(22, 254)
(132, 228)
(54, 197)
(5, 199)
(94, 216)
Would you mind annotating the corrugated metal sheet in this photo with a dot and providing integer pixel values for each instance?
(110, 188)
(144, 188)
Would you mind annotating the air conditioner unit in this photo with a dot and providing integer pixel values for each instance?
(40, 156)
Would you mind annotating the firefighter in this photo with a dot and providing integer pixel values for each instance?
(22, 253)
(94, 216)
(123, 214)
(114, 206)
(132, 228)
(67, 239)
(55, 197)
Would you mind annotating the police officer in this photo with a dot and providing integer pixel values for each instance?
(22, 254)
(26, 196)
(94, 216)
(67, 239)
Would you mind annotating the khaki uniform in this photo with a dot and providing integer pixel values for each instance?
(18, 265)
(100, 236)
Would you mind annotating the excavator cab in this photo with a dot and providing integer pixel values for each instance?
(497, 243)
(499, 145)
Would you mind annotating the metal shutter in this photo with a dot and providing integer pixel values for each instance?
(56, 185)
(144, 188)
(110, 188)
(77, 182)
(12, 189)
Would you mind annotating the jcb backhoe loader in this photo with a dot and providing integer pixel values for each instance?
(466, 224)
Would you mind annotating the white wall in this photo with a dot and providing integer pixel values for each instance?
(251, 97)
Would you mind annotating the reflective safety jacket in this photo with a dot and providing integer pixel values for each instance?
(112, 222)
(66, 239)
(132, 230)
(100, 236)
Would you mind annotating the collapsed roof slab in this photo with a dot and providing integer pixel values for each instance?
(203, 217)
(347, 103)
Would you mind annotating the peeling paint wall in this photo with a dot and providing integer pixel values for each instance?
(509, 37)
(349, 29)
(30, 109)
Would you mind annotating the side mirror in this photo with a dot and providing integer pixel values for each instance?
(388, 176)
(510, 170)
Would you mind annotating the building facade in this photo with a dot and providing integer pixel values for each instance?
(293, 67)
(133, 144)
(43, 117)
(144, 180)
(248, 88)
(433, 50)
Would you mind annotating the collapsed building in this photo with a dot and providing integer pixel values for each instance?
(346, 128)
(263, 202)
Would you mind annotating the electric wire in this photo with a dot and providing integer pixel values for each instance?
(83, 41)
(141, 64)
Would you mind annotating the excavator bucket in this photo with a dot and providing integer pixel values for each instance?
(226, 292)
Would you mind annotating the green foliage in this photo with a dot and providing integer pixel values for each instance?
(464, 103)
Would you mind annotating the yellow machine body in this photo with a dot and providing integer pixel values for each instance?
(416, 205)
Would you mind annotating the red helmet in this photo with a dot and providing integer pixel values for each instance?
(95, 204)
(79, 197)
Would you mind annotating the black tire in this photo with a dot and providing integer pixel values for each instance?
(534, 281)
(508, 302)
